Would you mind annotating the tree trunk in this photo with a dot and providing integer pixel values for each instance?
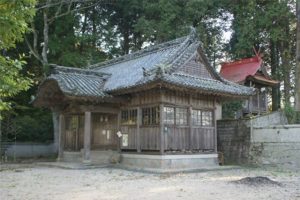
(297, 74)
(286, 68)
(297, 70)
(126, 42)
(274, 71)
(83, 31)
(46, 37)
(94, 28)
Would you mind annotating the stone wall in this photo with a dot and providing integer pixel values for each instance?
(26, 150)
(233, 140)
(234, 136)
(276, 146)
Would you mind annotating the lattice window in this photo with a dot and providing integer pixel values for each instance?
(181, 116)
(207, 118)
(196, 117)
(129, 117)
(169, 115)
(150, 115)
(74, 123)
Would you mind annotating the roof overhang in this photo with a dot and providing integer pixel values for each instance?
(51, 94)
(161, 83)
(263, 80)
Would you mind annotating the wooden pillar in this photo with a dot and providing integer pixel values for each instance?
(61, 139)
(55, 119)
(162, 129)
(258, 101)
(266, 100)
(119, 129)
(190, 113)
(215, 126)
(87, 136)
(250, 105)
(138, 134)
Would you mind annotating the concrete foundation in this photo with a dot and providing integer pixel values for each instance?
(169, 163)
(96, 157)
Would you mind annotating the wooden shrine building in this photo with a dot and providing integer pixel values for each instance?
(160, 104)
(253, 73)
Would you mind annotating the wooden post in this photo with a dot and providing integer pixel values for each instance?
(250, 105)
(162, 131)
(190, 113)
(215, 126)
(258, 103)
(55, 119)
(61, 139)
(190, 128)
(119, 129)
(87, 136)
(138, 135)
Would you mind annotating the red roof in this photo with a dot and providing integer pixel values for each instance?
(238, 71)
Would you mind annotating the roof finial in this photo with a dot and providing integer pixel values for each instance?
(193, 33)
(145, 72)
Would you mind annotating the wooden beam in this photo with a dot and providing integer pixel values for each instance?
(100, 109)
(61, 140)
(162, 131)
(87, 136)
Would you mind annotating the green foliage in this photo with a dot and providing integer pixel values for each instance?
(35, 126)
(290, 114)
(14, 16)
(11, 81)
(164, 20)
(27, 124)
(229, 109)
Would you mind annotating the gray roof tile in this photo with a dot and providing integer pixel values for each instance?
(77, 83)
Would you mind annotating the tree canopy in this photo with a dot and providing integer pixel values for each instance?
(14, 19)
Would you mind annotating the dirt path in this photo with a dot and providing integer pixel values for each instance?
(39, 183)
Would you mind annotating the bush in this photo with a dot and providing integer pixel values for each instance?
(290, 113)
(32, 125)
(229, 109)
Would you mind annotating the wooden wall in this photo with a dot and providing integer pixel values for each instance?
(176, 138)
(195, 67)
(74, 132)
(104, 131)
(148, 137)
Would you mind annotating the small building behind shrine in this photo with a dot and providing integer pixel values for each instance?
(251, 72)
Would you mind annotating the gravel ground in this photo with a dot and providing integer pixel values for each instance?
(42, 183)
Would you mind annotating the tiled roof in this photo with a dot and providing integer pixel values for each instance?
(206, 85)
(130, 70)
(79, 82)
(155, 63)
